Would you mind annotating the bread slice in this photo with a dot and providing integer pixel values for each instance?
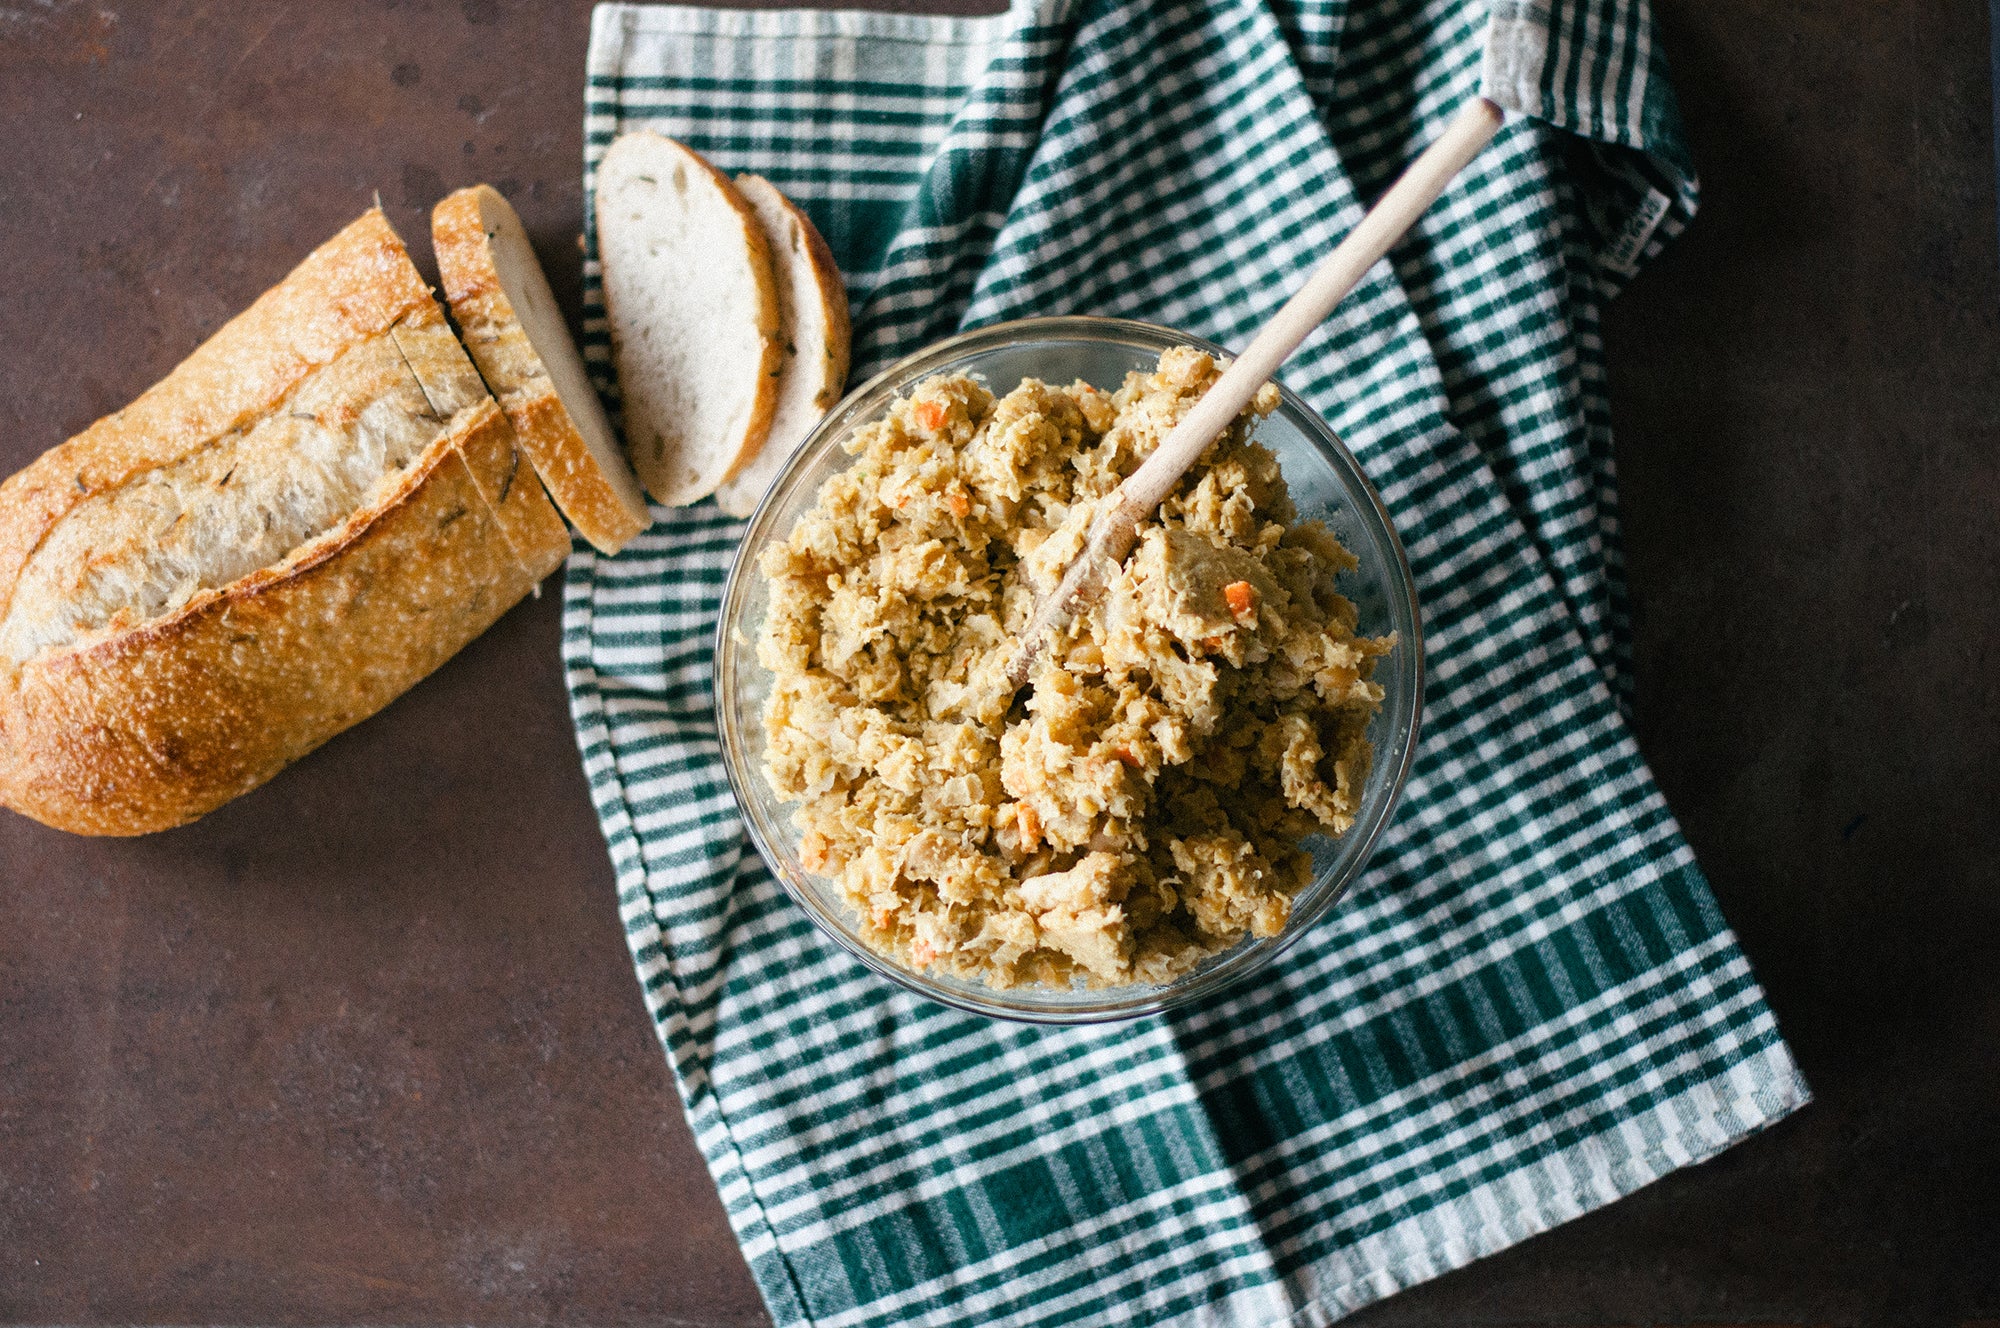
(449, 386)
(693, 309)
(517, 337)
(814, 333)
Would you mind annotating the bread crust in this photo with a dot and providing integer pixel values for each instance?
(833, 297)
(355, 286)
(128, 731)
(607, 513)
(659, 479)
(744, 489)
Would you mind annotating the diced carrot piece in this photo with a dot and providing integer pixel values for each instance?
(1125, 754)
(931, 415)
(960, 505)
(1242, 597)
(1031, 827)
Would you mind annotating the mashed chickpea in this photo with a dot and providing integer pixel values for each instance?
(1140, 804)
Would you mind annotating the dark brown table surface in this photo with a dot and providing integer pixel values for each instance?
(365, 1045)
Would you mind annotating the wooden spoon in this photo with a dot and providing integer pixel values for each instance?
(1117, 523)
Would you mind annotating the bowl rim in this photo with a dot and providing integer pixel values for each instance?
(1248, 960)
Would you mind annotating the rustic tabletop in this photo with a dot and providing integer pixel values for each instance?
(365, 1046)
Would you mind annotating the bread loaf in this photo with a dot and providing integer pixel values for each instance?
(317, 508)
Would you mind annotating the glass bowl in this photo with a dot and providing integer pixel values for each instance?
(1326, 483)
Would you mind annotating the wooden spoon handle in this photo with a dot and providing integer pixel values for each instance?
(1116, 526)
(1386, 223)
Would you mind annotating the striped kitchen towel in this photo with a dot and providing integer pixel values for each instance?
(1530, 1006)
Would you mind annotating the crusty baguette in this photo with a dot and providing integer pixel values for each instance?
(693, 309)
(517, 336)
(314, 510)
(814, 333)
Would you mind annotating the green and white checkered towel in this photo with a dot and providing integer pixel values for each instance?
(1530, 1007)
